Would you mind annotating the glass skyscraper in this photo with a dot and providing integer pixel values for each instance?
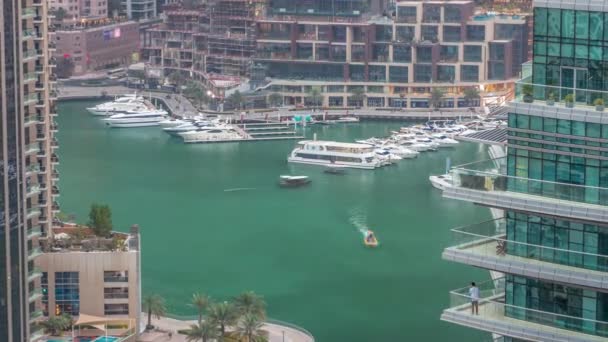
(26, 161)
(548, 250)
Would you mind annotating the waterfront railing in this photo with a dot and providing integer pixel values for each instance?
(491, 238)
(491, 175)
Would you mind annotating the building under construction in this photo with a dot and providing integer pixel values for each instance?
(213, 41)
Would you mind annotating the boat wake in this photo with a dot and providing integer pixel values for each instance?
(358, 219)
(238, 189)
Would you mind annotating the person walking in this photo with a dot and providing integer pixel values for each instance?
(474, 295)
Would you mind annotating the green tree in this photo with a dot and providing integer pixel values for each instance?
(436, 97)
(315, 96)
(56, 325)
(177, 78)
(153, 304)
(100, 219)
(236, 99)
(196, 93)
(471, 94)
(249, 303)
(250, 326)
(200, 302)
(223, 314)
(275, 99)
(203, 331)
(358, 95)
(64, 68)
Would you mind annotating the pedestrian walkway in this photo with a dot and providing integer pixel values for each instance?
(166, 331)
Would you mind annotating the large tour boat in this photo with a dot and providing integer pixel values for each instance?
(318, 152)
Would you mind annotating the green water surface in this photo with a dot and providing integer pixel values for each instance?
(214, 220)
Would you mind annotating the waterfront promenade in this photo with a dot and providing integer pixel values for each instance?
(178, 105)
(167, 331)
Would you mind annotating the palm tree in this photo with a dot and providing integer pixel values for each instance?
(436, 97)
(236, 99)
(154, 305)
(201, 303)
(249, 303)
(176, 78)
(275, 99)
(223, 314)
(250, 326)
(471, 94)
(315, 96)
(203, 331)
(358, 95)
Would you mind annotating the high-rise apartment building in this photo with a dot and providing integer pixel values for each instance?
(549, 253)
(138, 9)
(27, 161)
(395, 55)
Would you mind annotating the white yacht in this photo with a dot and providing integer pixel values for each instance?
(348, 119)
(120, 105)
(401, 151)
(318, 152)
(442, 181)
(191, 126)
(443, 140)
(217, 134)
(136, 119)
(173, 122)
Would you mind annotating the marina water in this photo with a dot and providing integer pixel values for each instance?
(213, 220)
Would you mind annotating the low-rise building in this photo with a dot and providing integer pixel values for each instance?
(87, 276)
(98, 46)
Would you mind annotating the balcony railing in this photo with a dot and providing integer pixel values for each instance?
(33, 231)
(492, 306)
(587, 99)
(32, 148)
(34, 252)
(489, 239)
(28, 12)
(490, 175)
(29, 99)
(34, 272)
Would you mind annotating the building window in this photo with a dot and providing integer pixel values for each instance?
(429, 33)
(446, 73)
(115, 292)
(116, 309)
(398, 74)
(115, 276)
(472, 53)
(377, 73)
(423, 73)
(449, 53)
(67, 293)
(405, 34)
(469, 73)
(496, 71)
(424, 54)
(476, 33)
(452, 33)
(402, 53)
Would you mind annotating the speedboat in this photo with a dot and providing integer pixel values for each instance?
(400, 151)
(173, 122)
(441, 181)
(136, 119)
(191, 126)
(216, 134)
(386, 157)
(293, 181)
(443, 140)
(120, 105)
(370, 239)
(348, 119)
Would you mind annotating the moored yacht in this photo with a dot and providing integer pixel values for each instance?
(136, 119)
(318, 152)
(120, 105)
(217, 134)
(191, 126)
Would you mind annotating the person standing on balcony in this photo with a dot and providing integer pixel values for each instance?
(474, 294)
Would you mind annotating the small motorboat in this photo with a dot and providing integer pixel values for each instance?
(335, 169)
(370, 239)
(293, 181)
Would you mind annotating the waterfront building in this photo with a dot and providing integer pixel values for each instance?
(549, 253)
(96, 277)
(212, 42)
(27, 161)
(394, 57)
(97, 46)
(76, 10)
(138, 9)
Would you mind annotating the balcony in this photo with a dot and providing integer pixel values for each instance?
(32, 190)
(485, 245)
(33, 253)
(43, 187)
(32, 148)
(31, 169)
(537, 326)
(41, 153)
(55, 191)
(40, 136)
(30, 55)
(30, 99)
(55, 207)
(35, 315)
(487, 183)
(561, 100)
(31, 212)
(55, 175)
(40, 86)
(30, 76)
(35, 294)
(39, 69)
(28, 13)
(33, 274)
(54, 127)
(54, 159)
(33, 232)
(43, 219)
